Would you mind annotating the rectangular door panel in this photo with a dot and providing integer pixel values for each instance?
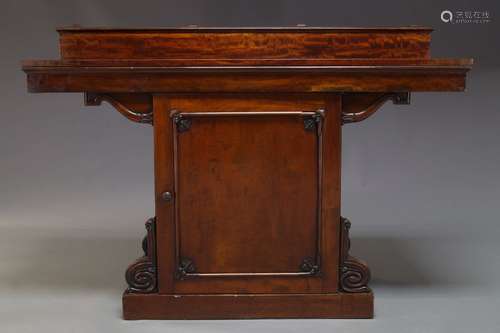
(250, 210)
(247, 193)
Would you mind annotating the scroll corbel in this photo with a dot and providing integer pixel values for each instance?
(354, 273)
(141, 276)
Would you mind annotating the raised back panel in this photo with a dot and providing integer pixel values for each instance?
(245, 43)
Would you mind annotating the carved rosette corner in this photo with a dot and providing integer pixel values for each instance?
(313, 122)
(309, 265)
(95, 99)
(354, 273)
(141, 276)
(181, 122)
(186, 266)
(397, 98)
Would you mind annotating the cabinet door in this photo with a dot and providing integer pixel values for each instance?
(246, 175)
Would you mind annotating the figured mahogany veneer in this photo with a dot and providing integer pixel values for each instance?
(244, 43)
(247, 144)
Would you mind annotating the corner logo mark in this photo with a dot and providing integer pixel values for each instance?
(446, 16)
(466, 16)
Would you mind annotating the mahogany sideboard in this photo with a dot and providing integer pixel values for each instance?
(247, 149)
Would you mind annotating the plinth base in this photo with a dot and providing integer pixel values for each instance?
(247, 306)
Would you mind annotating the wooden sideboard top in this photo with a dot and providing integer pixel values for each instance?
(189, 59)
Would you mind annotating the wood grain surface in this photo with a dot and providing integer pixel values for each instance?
(244, 43)
(339, 305)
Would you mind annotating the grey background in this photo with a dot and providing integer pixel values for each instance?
(420, 182)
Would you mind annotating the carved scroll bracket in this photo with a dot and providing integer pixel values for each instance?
(354, 273)
(359, 101)
(141, 276)
(124, 103)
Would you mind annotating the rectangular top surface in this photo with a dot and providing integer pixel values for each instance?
(244, 58)
(195, 28)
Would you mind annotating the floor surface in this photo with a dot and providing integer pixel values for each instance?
(71, 280)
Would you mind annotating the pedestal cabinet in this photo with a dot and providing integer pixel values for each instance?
(247, 147)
